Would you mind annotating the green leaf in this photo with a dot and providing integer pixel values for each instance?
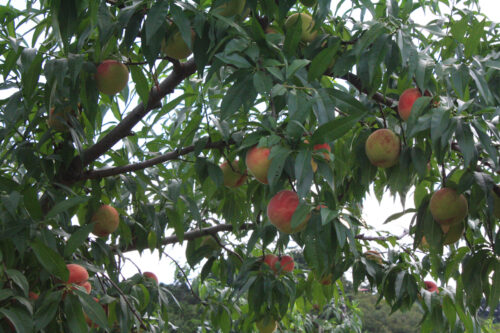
(262, 83)
(175, 221)
(299, 215)
(77, 239)
(92, 309)
(465, 140)
(303, 172)
(19, 318)
(322, 61)
(449, 311)
(48, 309)
(336, 128)
(278, 157)
(295, 66)
(141, 83)
(75, 320)
(65, 205)
(18, 278)
(155, 20)
(31, 202)
(236, 96)
(50, 260)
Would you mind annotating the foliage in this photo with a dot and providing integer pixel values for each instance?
(153, 152)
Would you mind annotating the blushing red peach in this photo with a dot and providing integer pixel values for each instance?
(151, 276)
(258, 162)
(111, 77)
(406, 101)
(281, 209)
(77, 274)
(382, 148)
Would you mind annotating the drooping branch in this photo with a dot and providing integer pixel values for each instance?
(121, 130)
(96, 174)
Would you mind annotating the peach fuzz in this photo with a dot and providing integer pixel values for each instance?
(382, 148)
(406, 100)
(281, 209)
(258, 162)
(232, 175)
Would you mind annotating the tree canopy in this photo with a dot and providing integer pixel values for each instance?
(244, 130)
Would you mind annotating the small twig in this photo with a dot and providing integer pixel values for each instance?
(225, 248)
(380, 238)
(185, 277)
(143, 325)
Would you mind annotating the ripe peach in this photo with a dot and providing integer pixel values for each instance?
(111, 77)
(280, 211)
(326, 155)
(454, 233)
(258, 162)
(382, 148)
(77, 274)
(286, 263)
(448, 207)
(431, 287)
(232, 175)
(151, 276)
(106, 220)
(33, 296)
(87, 286)
(307, 23)
(406, 100)
(374, 255)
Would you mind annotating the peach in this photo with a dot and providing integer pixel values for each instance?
(267, 325)
(77, 274)
(321, 147)
(175, 47)
(307, 24)
(382, 148)
(151, 276)
(431, 287)
(233, 177)
(106, 220)
(406, 100)
(111, 77)
(87, 286)
(33, 296)
(281, 209)
(258, 162)
(286, 263)
(58, 119)
(374, 255)
(231, 8)
(448, 207)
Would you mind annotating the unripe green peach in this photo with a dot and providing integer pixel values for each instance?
(175, 47)
(308, 32)
(267, 325)
(230, 7)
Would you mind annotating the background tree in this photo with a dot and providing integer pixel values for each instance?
(294, 100)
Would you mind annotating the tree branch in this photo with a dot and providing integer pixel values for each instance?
(121, 130)
(96, 174)
(190, 235)
(378, 97)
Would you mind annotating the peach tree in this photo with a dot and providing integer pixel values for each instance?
(196, 85)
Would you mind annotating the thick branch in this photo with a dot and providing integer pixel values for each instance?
(96, 174)
(179, 73)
